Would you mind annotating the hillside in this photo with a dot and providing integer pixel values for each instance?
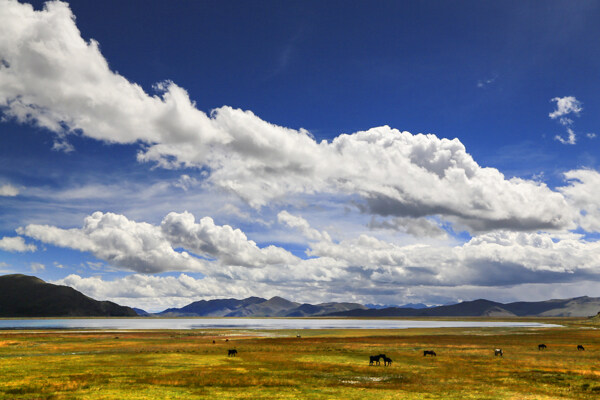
(28, 296)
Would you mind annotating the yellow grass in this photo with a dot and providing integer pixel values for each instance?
(320, 365)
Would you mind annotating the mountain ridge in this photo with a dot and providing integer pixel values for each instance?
(279, 307)
(256, 307)
(583, 306)
(29, 296)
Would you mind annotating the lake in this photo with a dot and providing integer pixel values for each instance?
(248, 323)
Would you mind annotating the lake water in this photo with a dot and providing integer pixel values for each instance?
(248, 323)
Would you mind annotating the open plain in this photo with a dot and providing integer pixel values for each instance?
(321, 364)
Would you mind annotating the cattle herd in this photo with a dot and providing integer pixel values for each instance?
(376, 360)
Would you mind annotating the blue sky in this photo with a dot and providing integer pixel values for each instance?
(155, 154)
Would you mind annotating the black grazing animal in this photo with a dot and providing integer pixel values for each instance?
(542, 347)
(231, 353)
(580, 347)
(387, 361)
(498, 352)
(214, 342)
(375, 359)
(429, 353)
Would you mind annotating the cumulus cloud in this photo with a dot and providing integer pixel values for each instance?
(418, 227)
(302, 225)
(16, 244)
(146, 248)
(134, 246)
(230, 246)
(8, 190)
(583, 193)
(50, 76)
(570, 139)
(565, 106)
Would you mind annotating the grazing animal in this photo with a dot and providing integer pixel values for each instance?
(231, 353)
(580, 347)
(375, 359)
(298, 336)
(227, 340)
(387, 361)
(214, 342)
(542, 347)
(429, 353)
(498, 352)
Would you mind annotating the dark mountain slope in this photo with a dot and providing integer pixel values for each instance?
(28, 296)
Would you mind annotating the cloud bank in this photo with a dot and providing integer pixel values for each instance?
(364, 266)
(50, 76)
(53, 78)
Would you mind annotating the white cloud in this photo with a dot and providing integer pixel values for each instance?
(135, 246)
(564, 106)
(571, 139)
(55, 79)
(146, 248)
(61, 144)
(16, 244)
(565, 121)
(418, 227)
(230, 246)
(37, 267)
(302, 225)
(8, 190)
(583, 193)
(591, 135)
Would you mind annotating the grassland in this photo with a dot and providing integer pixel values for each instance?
(320, 365)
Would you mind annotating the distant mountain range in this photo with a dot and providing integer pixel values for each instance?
(575, 307)
(280, 307)
(257, 307)
(28, 296)
(409, 305)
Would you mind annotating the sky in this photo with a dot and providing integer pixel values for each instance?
(154, 154)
